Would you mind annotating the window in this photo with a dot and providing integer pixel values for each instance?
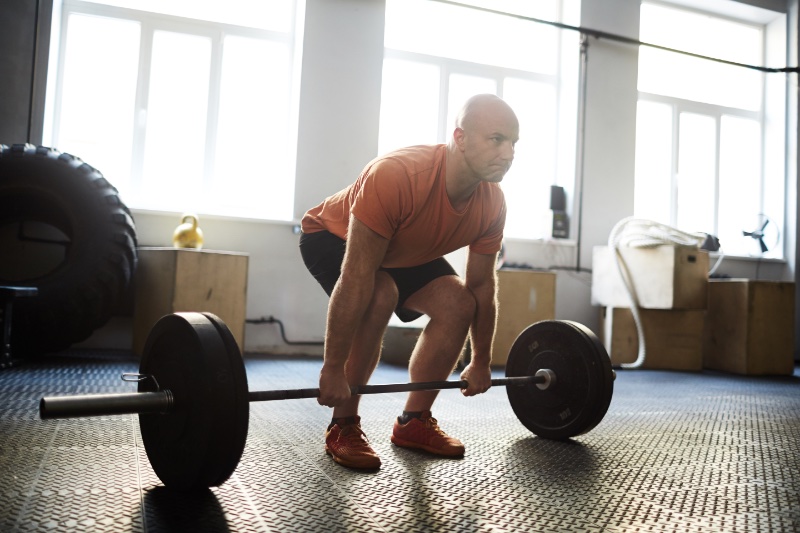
(702, 127)
(182, 104)
(437, 55)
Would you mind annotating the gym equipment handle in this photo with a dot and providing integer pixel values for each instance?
(295, 394)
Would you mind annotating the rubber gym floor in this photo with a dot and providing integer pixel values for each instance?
(676, 452)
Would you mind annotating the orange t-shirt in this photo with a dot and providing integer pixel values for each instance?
(402, 197)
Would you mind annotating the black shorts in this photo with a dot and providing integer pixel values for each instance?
(323, 253)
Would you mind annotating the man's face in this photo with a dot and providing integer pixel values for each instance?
(488, 144)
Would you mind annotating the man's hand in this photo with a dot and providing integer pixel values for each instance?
(333, 387)
(479, 378)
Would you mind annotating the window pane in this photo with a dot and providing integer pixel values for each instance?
(739, 182)
(653, 181)
(696, 172)
(527, 184)
(690, 31)
(269, 15)
(671, 74)
(97, 108)
(461, 88)
(254, 112)
(449, 31)
(409, 105)
(174, 156)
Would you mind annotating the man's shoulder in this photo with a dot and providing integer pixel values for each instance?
(410, 160)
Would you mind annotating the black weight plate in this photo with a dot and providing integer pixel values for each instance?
(581, 394)
(200, 442)
(242, 402)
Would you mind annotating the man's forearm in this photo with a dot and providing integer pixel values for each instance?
(347, 305)
(483, 326)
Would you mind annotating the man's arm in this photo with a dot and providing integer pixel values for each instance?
(350, 298)
(481, 279)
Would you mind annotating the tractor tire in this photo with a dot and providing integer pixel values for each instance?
(65, 231)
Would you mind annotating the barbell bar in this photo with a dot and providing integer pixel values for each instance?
(193, 400)
(162, 402)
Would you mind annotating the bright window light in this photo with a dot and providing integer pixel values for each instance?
(740, 186)
(653, 185)
(409, 104)
(254, 112)
(168, 98)
(439, 55)
(700, 80)
(450, 31)
(700, 131)
(174, 153)
(97, 111)
(273, 15)
(527, 184)
(697, 168)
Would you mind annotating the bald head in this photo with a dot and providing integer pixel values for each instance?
(483, 108)
(482, 145)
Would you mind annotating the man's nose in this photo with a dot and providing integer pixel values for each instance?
(507, 152)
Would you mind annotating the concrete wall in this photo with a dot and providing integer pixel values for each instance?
(24, 42)
(337, 134)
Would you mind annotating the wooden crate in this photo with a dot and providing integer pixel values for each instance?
(524, 297)
(750, 327)
(170, 280)
(673, 337)
(665, 277)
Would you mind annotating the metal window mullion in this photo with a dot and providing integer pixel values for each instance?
(213, 105)
(701, 108)
(673, 200)
(141, 106)
(444, 99)
(717, 160)
(468, 68)
(58, 101)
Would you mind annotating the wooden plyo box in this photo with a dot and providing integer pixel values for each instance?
(750, 327)
(673, 337)
(524, 297)
(665, 277)
(171, 280)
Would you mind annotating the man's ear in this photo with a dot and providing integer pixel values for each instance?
(458, 137)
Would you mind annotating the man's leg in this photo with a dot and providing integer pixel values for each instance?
(451, 308)
(366, 350)
(344, 440)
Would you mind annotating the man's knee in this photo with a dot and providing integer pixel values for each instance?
(384, 295)
(455, 304)
(466, 306)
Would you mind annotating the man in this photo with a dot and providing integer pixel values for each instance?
(377, 247)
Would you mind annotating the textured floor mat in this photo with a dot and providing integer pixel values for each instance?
(676, 452)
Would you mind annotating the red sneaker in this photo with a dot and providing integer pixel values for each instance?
(348, 446)
(424, 433)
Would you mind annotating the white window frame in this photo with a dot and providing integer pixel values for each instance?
(771, 117)
(564, 81)
(716, 112)
(152, 22)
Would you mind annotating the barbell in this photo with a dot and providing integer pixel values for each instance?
(193, 401)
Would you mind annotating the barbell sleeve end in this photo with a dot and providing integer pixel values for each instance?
(105, 404)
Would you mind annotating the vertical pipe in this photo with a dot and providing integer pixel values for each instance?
(579, 164)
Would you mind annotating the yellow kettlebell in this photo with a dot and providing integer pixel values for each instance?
(188, 234)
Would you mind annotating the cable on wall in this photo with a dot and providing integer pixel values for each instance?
(273, 320)
(622, 39)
